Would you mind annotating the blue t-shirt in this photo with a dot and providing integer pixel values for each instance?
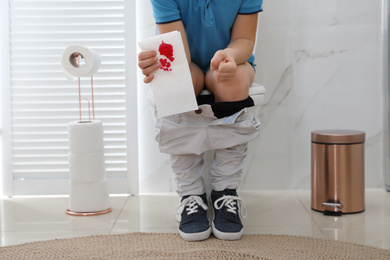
(208, 23)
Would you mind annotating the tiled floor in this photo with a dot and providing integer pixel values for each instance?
(269, 212)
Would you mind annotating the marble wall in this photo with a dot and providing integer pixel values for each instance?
(321, 63)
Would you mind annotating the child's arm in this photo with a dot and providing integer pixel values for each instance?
(238, 51)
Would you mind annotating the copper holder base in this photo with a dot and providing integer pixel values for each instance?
(95, 213)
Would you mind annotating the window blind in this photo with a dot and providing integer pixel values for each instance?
(44, 101)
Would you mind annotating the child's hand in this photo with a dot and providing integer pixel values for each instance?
(224, 65)
(148, 63)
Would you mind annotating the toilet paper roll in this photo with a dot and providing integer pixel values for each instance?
(85, 137)
(92, 61)
(88, 197)
(88, 167)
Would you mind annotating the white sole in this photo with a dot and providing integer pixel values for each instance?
(226, 235)
(195, 236)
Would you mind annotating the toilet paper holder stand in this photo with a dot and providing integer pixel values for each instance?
(77, 56)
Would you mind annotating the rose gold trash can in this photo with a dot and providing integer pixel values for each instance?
(337, 171)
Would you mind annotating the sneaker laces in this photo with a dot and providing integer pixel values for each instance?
(231, 203)
(191, 205)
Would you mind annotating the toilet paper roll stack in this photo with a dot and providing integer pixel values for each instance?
(88, 185)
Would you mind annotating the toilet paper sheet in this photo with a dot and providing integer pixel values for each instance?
(88, 197)
(172, 84)
(92, 61)
(85, 137)
(87, 167)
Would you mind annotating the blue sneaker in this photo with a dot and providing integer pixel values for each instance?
(192, 215)
(228, 209)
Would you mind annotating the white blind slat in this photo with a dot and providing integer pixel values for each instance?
(44, 101)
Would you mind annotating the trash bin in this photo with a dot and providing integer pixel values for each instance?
(337, 171)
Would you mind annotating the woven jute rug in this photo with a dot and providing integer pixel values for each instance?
(171, 246)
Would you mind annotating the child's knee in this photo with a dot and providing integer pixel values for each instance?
(235, 89)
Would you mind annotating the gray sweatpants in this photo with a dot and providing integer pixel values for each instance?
(188, 135)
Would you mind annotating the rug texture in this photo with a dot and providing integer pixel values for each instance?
(171, 246)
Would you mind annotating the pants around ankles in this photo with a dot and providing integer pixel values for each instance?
(188, 135)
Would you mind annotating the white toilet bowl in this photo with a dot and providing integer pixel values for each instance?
(256, 92)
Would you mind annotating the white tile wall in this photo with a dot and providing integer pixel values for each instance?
(321, 62)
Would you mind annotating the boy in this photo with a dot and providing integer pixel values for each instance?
(218, 38)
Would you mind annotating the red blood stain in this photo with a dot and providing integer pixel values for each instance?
(165, 65)
(166, 50)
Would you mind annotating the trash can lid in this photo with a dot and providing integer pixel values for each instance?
(338, 136)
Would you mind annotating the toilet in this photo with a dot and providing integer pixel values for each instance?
(256, 92)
